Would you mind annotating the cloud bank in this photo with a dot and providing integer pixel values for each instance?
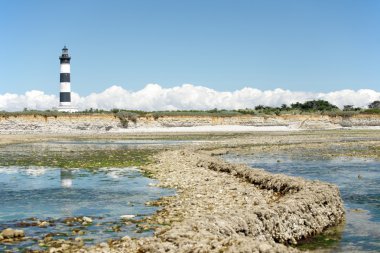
(186, 97)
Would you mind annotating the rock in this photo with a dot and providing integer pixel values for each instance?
(43, 224)
(126, 238)
(69, 221)
(7, 233)
(12, 233)
(116, 228)
(53, 250)
(19, 233)
(103, 245)
(79, 241)
(264, 248)
(127, 216)
(65, 246)
(48, 238)
(87, 219)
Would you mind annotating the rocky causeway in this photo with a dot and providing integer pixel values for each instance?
(222, 207)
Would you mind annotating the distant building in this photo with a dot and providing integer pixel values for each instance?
(65, 89)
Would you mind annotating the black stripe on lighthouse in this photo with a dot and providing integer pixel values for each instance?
(64, 77)
(65, 60)
(65, 97)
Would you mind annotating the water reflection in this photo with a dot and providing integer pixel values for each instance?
(66, 178)
(54, 194)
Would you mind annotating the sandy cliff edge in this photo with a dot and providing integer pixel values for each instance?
(73, 123)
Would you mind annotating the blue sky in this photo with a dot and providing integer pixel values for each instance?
(316, 46)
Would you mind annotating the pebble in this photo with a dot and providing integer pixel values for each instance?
(126, 238)
(79, 241)
(43, 224)
(104, 245)
(127, 216)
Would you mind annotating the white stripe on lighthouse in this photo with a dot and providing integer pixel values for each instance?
(65, 68)
(65, 103)
(65, 87)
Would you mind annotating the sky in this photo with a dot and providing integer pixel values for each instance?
(311, 46)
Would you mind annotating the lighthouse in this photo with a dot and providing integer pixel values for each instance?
(64, 79)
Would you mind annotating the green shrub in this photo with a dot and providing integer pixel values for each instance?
(371, 111)
(374, 105)
(126, 117)
(314, 105)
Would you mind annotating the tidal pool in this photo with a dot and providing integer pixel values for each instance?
(359, 182)
(34, 188)
(28, 194)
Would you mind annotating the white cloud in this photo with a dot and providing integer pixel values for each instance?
(31, 99)
(153, 97)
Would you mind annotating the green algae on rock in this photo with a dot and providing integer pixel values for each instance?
(90, 159)
(326, 240)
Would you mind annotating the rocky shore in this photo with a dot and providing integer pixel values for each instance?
(221, 207)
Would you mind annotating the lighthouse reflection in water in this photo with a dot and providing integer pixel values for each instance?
(66, 178)
(42, 192)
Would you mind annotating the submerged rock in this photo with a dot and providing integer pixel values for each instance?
(87, 219)
(43, 224)
(9, 233)
(127, 216)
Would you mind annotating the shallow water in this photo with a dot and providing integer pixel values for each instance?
(32, 193)
(54, 194)
(359, 183)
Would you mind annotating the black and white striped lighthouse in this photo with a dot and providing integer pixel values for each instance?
(65, 87)
(64, 78)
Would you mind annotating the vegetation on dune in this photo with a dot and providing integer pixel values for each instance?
(127, 116)
(374, 105)
(372, 111)
(314, 105)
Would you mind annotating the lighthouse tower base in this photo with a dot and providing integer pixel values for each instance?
(66, 108)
